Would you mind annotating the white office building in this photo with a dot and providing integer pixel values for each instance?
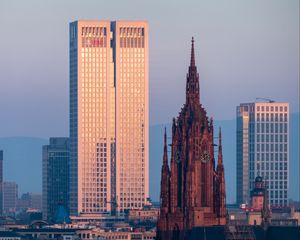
(263, 149)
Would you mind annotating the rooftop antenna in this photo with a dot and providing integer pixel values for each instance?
(264, 99)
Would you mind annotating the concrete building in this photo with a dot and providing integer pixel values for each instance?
(10, 196)
(259, 212)
(116, 235)
(263, 149)
(1, 182)
(55, 176)
(108, 116)
(140, 215)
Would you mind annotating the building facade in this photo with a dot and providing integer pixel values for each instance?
(260, 213)
(193, 188)
(263, 149)
(1, 182)
(10, 196)
(108, 116)
(55, 177)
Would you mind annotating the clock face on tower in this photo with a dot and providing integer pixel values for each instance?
(205, 157)
(177, 156)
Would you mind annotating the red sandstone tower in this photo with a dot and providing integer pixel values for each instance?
(192, 189)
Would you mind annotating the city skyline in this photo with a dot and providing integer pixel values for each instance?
(150, 119)
(54, 78)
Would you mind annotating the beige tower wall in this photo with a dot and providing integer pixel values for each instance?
(109, 97)
(132, 119)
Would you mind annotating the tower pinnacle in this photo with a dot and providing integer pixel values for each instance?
(220, 156)
(192, 81)
(192, 54)
(165, 157)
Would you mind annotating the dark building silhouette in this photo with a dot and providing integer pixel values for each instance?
(55, 177)
(193, 188)
(1, 182)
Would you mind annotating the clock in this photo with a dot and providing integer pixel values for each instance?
(177, 156)
(205, 157)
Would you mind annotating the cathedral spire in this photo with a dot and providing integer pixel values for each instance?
(192, 81)
(165, 157)
(220, 188)
(165, 179)
(220, 155)
(192, 64)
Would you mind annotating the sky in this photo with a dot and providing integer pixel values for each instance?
(244, 50)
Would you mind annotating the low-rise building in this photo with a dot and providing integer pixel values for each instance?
(9, 235)
(147, 214)
(116, 235)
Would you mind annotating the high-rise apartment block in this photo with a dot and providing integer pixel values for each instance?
(108, 116)
(55, 176)
(263, 150)
(1, 182)
(10, 196)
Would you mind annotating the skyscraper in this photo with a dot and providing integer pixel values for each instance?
(10, 196)
(55, 176)
(108, 116)
(263, 150)
(1, 182)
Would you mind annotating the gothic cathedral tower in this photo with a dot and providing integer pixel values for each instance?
(193, 188)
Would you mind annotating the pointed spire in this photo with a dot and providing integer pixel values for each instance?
(165, 158)
(192, 81)
(193, 54)
(220, 155)
(220, 138)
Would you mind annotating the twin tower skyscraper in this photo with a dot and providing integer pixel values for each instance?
(109, 108)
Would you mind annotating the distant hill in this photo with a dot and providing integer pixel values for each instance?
(23, 158)
(229, 155)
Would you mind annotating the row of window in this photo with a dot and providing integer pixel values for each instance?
(270, 156)
(93, 31)
(272, 117)
(271, 108)
(272, 138)
(271, 127)
(271, 147)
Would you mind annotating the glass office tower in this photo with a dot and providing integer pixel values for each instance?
(108, 116)
(263, 149)
(55, 176)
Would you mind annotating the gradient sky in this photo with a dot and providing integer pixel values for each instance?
(244, 49)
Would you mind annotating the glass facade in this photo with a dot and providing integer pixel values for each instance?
(55, 176)
(264, 130)
(108, 114)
